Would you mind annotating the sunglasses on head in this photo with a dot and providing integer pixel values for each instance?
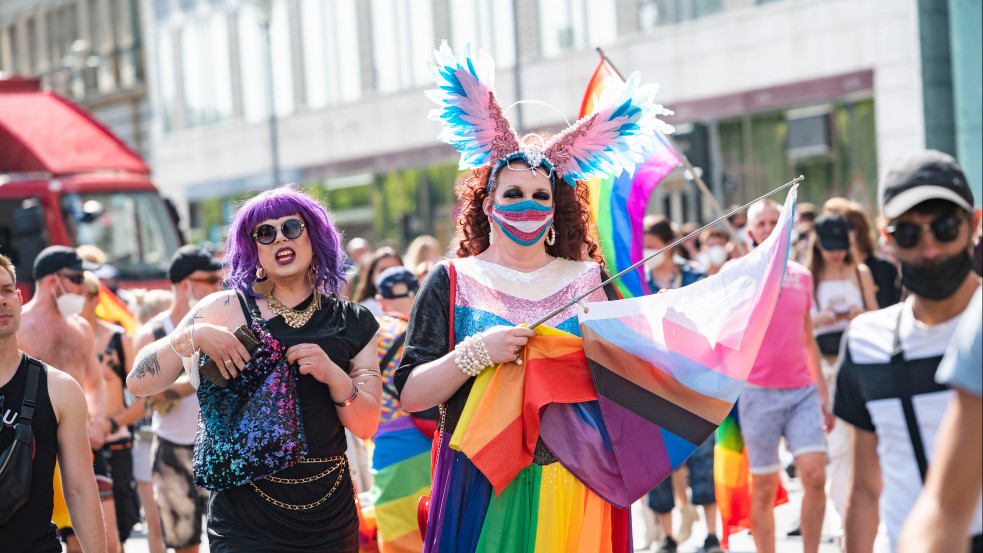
(907, 235)
(266, 233)
(75, 278)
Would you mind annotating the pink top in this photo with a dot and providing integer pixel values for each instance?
(781, 361)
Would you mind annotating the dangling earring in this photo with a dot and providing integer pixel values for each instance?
(263, 286)
(491, 232)
(312, 278)
(551, 236)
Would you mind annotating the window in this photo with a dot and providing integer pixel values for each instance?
(485, 24)
(133, 228)
(330, 42)
(256, 78)
(166, 73)
(575, 24)
(402, 36)
(206, 77)
(23, 233)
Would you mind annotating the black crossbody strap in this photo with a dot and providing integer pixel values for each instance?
(907, 406)
(30, 392)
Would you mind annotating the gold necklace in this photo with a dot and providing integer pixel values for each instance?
(293, 317)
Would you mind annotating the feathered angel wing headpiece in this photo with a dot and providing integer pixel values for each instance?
(615, 137)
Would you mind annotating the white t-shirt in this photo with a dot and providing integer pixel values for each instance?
(181, 423)
(869, 396)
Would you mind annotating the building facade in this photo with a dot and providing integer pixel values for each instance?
(763, 90)
(88, 50)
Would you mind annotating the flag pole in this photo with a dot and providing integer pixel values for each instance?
(579, 298)
(689, 167)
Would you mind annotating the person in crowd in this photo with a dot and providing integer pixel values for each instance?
(842, 289)
(194, 274)
(785, 397)
(805, 217)
(401, 452)
(941, 517)
(359, 256)
(382, 259)
(738, 222)
(59, 431)
(885, 274)
(666, 270)
(114, 350)
(423, 249)
(691, 246)
(53, 331)
(146, 304)
(286, 267)
(886, 388)
(713, 250)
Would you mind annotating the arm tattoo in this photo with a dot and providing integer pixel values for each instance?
(228, 299)
(147, 365)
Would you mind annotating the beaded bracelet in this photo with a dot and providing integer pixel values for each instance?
(472, 355)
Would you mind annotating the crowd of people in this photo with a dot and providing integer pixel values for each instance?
(302, 394)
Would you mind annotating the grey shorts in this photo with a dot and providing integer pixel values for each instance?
(767, 414)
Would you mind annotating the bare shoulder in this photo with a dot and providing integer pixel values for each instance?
(67, 397)
(80, 328)
(221, 308)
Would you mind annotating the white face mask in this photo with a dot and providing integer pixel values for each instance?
(191, 300)
(716, 255)
(68, 304)
(655, 261)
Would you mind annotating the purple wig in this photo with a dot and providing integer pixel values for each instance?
(241, 256)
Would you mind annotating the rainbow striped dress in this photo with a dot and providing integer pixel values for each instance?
(545, 508)
(400, 456)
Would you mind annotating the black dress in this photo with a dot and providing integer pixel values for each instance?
(242, 520)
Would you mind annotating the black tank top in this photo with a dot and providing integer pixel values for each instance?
(30, 528)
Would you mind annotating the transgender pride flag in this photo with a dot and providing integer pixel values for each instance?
(667, 370)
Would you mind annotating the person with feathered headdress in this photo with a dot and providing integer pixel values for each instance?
(526, 248)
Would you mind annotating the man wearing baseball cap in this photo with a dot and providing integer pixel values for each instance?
(53, 331)
(194, 274)
(886, 387)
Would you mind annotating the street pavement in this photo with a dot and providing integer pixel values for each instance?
(786, 518)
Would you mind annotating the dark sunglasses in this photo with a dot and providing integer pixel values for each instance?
(213, 280)
(907, 235)
(291, 228)
(75, 278)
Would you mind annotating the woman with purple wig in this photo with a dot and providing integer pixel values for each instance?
(285, 267)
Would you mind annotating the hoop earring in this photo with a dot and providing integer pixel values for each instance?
(551, 236)
(263, 286)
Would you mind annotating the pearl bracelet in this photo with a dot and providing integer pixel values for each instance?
(472, 355)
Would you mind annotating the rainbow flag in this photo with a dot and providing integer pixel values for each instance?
(618, 203)
(732, 480)
(114, 310)
(655, 377)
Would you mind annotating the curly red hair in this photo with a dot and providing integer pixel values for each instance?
(575, 235)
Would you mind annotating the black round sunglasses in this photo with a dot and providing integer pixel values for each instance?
(907, 235)
(266, 233)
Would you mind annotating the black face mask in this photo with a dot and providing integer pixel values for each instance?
(937, 281)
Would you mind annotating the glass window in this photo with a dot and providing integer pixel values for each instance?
(206, 76)
(575, 24)
(166, 73)
(485, 24)
(402, 36)
(330, 42)
(253, 68)
(133, 228)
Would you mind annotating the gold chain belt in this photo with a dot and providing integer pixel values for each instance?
(339, 462)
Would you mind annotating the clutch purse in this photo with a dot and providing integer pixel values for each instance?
(210, 369)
